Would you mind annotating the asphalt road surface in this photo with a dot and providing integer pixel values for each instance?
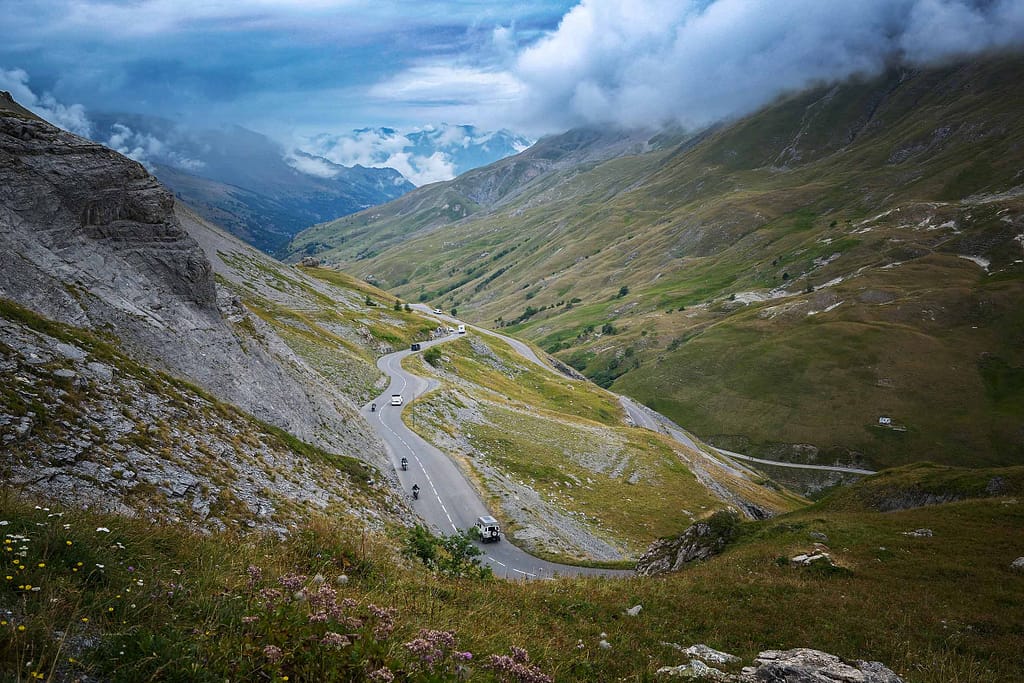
(447, 501)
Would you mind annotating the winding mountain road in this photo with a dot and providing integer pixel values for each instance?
(447, 501)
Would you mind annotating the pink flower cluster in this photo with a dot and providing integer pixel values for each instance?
(385, 617)
(332, 639)
(516, 667)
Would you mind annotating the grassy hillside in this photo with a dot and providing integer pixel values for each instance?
(556, 460)
(124, 600)
(777, 284)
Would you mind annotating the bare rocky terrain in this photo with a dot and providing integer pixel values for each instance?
(89, 238)
(80, 421)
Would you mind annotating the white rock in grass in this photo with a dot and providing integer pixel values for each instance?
(634, 610)
(707, 654)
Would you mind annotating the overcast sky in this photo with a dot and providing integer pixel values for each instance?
(302, 67)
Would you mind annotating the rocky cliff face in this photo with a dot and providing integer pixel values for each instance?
(89, 238)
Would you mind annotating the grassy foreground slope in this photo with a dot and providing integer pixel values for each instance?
(777, 284)
(124, 600)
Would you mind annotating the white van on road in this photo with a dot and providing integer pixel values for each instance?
(396, 399)
(462, 329)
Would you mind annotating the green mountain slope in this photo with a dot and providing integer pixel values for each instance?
(777, 284)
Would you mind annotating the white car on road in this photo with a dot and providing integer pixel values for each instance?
(396, 399)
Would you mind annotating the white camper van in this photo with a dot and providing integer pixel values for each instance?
(462, 329)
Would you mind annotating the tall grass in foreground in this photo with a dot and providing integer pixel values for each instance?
(125, 600)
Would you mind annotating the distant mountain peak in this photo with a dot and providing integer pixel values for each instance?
(424, 155)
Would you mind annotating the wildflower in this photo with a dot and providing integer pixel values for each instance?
(382, 675)
(385, 620)
(255, 574)
(42, 564)
(68, 542)
(3, 622)
(325, 598)
(335, 640)
(273, 653)
(21, 627)
(270, 596)
(516, 667)
(85, 620)
(38, 676)
(292, 582)
(318, 617)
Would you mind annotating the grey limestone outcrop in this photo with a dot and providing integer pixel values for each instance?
(90, 238)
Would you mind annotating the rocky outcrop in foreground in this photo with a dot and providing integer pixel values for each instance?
(699, 542)
(801, 665)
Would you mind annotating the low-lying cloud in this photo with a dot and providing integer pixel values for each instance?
(145, 148)
(648, 62)
(424, 155)
(69, 117)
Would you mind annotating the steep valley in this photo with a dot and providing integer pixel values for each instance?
(191, 488)
(778, 284)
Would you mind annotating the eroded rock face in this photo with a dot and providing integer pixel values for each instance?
(89, 238)
(77, 199)
(699, 542)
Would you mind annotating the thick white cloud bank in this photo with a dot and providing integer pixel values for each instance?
(647, 62)
(694, 62)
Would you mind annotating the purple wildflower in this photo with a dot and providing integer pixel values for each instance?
(385, 620)
(273, 653)
(516, 667)
(255, 574)
(292, 582)
(382, 675)
(335, 640)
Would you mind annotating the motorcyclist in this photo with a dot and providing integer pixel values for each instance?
(373, 407)
(405, 463)
(415, 490)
